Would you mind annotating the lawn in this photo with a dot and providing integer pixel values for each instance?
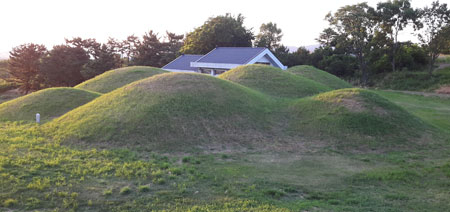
(38, 173)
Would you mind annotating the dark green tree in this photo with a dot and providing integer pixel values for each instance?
(63, 66)
(393, 17)
(433, 36)
(269, 36)
(24, 66)
(354, 28)
(103, 57)
(223, 31)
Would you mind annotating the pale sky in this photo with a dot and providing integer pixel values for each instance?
(48, 22)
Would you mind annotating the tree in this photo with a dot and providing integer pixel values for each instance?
(24, 66)
(103, 57)
(354, 27)
(269, 36)
(394, 16)
(63, 66)
(217, 31)
(172, 46)
(148, 51)
(433, 36)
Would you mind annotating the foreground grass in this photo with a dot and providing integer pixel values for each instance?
(434, 110)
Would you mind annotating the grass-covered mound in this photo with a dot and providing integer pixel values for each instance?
(354, 115)
(320, 76)
(49, 103)
(171, 110)
(117, 78)
(274, 81)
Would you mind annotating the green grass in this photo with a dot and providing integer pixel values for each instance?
(49, 103)
(274, 81)
(39, 173)
(191, 142)
(174, 110)
(361, 117)
(443, 59)
(320, 76)
(413, 81)
(117, 78)
(433, 110)
(5, 86)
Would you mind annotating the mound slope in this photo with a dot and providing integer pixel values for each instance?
(168, 110)
(320, 76)
(50, 103)
(355, 115)
(117, 78)
(274, 81)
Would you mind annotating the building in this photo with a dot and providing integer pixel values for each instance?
(222, 59)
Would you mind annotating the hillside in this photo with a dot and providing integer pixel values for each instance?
(117, 78)
(356, 117)
(170, 110)
(50, 103)
(274, 81)
(320, 76)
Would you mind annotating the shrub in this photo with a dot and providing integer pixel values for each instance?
(125, 190)
(144, 188)
(9, 202)
(107, 192)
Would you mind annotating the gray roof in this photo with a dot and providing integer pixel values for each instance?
(231, 55)
(183, 62)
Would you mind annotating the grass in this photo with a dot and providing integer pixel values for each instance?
(49, 103)
(342, 150)
(413, 81)
(117, 78)
(175, 110)
(320, 76)
(362, 117)
(433, 110)
(274, 81)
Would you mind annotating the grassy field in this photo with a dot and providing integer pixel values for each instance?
(135, 149)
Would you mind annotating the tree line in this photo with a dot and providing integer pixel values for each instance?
(360, 41)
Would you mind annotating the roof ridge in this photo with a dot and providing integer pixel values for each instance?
(263, 49)
(206, 54)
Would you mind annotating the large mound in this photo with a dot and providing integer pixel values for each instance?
(168, 110)
(320, 76)
(49, 103)
(117, 78)
(274, 81)
(353, 115)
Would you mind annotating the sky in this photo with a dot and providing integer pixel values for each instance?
(48, 22)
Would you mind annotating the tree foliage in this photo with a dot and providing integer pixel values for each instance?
(63, 66)
(354, 28)
(393, 17)
(269, 36)
(217, 31)
(24, 66)
(433, 35)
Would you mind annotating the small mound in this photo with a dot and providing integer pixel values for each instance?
(320, 76)
(168, 110)
(353, 115)
(49, 103)
(274, 81)
(117, 78)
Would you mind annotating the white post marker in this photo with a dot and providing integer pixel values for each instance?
(38, 118)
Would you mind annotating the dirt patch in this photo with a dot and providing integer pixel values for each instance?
(353, 105)
(445, 89)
